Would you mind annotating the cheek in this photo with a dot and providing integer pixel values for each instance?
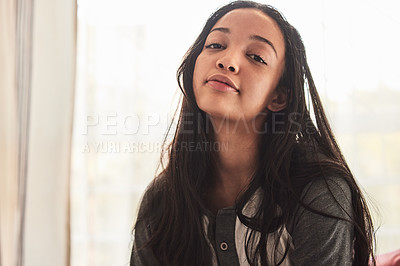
(257, 100)
(197, 69)
(199, 74)
(260, 94)
(195, 82)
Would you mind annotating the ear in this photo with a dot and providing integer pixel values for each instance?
(279, 100)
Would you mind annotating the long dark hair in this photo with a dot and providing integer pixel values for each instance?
(178, 236)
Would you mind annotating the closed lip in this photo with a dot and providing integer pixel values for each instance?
(223, 79)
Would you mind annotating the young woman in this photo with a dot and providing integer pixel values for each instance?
(252, 178)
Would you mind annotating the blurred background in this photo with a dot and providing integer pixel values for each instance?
(88, 90)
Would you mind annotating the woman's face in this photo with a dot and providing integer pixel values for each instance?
(236, 73)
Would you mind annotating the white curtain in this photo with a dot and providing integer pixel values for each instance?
(37, 73)
(47, 230)
(9, 204)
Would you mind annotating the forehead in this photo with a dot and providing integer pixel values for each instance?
(251, 21)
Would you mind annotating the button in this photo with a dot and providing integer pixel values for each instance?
(223, 246)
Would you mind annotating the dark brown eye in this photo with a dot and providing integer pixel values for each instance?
(257, 58)
(214, 46)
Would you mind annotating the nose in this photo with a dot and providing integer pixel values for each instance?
(229, 63)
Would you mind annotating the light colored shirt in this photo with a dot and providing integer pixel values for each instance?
(234, 242)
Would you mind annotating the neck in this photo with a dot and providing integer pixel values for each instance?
(236, 161)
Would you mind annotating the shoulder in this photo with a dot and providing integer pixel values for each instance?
(336, 186)
(149, 213)
(150, 205)
(322, 231)
(331, 195)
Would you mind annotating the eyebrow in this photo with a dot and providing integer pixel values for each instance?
(252, 37)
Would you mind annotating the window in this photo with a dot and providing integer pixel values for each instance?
(128, 53)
